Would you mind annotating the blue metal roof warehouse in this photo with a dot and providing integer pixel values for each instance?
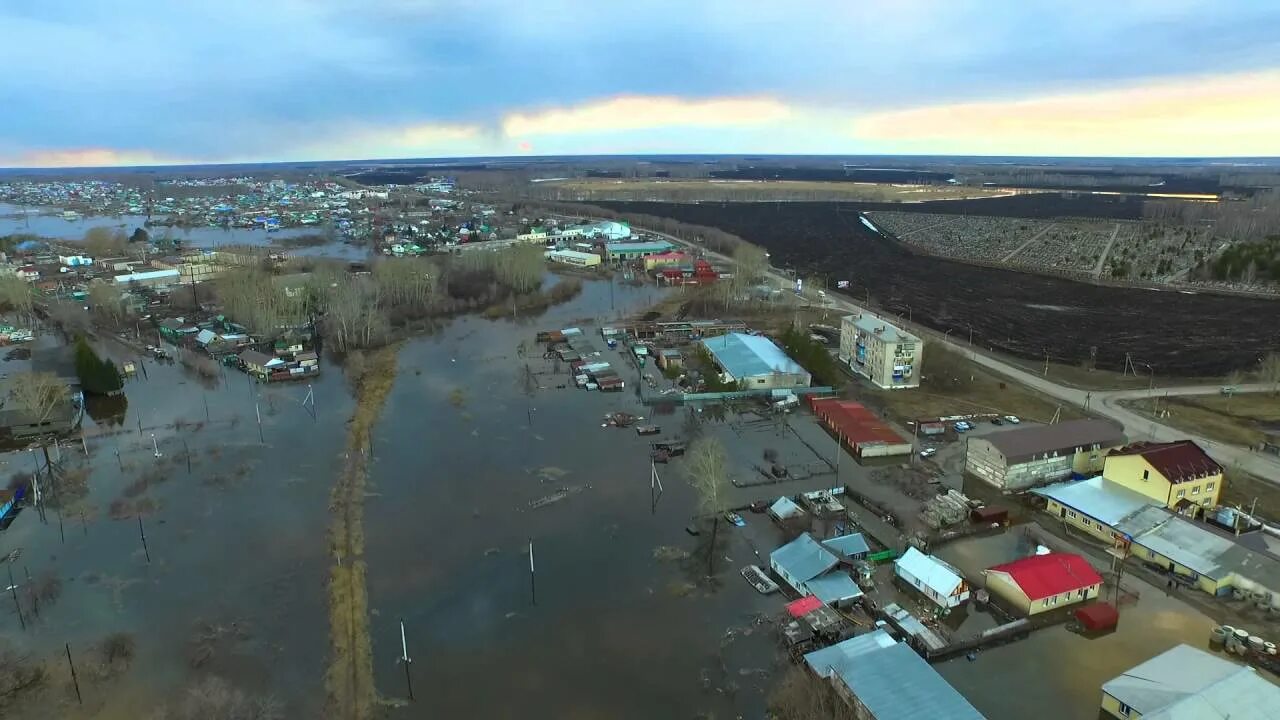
(755, 359)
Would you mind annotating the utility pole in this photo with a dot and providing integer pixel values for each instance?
(1046, 362)
(13, 590)
(143, 534)
(74, 680)
(404, 658)
(533, 586)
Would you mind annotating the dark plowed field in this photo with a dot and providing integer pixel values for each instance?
(1023, 314)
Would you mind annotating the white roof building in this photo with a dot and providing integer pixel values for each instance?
(935, 579)
(1184, 683)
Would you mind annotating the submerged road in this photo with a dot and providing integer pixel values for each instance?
(1099, 402)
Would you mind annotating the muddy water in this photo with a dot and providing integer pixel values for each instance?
(12, 220)
(236, 544)
(1055, 674)
(462, 450)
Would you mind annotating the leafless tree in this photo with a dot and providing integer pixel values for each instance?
(42, 395)
(708, 471)
(69, 316)
(19, 674)
(100, 242)
(352, 319)
(106, 301)
(1269, 371)
(801, 695)
(214, 699)
(15, 294)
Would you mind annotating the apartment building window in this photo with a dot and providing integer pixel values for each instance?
(1146, 474)
(1182, 493)
(1071, 514)
(1195, 489)
(1124, 710)
(1208, 487)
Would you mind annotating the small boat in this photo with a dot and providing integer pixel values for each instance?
(648, 429)
(759, 580)
(734, 519)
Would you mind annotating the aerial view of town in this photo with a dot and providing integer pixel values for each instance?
(508, 379)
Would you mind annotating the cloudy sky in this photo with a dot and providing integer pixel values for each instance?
(155, 81)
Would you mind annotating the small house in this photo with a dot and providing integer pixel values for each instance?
(934, 578)
(800, 561)
(1040, 583)
(785, 510)
(259, 363)
(670, 358)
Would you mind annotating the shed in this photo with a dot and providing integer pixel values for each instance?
(848, 547)
(895, 683)
(803, 606)
(1098, 616)
(784, 509)
(836, 589)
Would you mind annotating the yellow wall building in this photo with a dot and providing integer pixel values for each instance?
(1178, 475)
(1041, 583)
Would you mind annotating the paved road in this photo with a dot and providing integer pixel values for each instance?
(1099, 402)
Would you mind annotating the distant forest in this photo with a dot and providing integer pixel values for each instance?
(1257, 261)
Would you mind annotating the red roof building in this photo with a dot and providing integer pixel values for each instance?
(1044, 582)
(861, 428)
(1180, 461)
(803, 606)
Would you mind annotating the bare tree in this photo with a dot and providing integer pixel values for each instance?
(41, 395)
(708, 471)
(19, 674)
(102, 242)
(106, 301)
(801, 695)
(69, 316)
(214, 699)
(15, 294)
(1269, 371)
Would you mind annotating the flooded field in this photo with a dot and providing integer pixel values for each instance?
(465, 446)
(18, 219)
(237, 558)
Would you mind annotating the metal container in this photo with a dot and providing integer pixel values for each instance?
(1256, 644)
(1217, 637)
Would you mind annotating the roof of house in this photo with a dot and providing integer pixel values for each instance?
(743, 355)
(829, 660)
(930, 571)
(1184, 683)
(834, 588)
(1024, 443)
(847, 545)
(785, 507)
(803, 558)
(204, 337)
(1042, 576)
(803, 606)
(1180, 461)
(895, 683)
(253, 357)
(1141, 521)
(1103, 500)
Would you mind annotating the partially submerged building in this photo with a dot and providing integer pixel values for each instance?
(934, 578)
(883, 353)
(1184, 683)
(1023, 457)
(755, 362)
(1041, 583)
(886, 680)
(807, 566)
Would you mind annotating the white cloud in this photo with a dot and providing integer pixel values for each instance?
(645, 113)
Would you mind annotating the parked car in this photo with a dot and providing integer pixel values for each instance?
(928, 452)
(963, 426)
(1012, 419)
(734, 519)
(997, 421)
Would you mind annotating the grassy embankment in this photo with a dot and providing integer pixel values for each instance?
(349, 686)
(1238, 420)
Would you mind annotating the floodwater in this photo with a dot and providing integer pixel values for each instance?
(464, 446)
(236, 543)
(20, 219)
(1055, 674)
(238, 549)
